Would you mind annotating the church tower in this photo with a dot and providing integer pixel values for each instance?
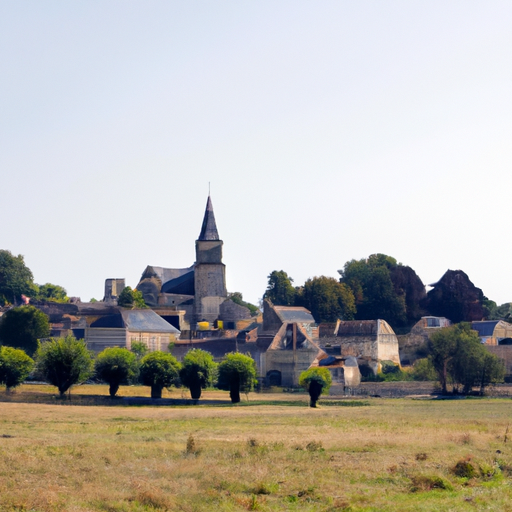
(209, 271)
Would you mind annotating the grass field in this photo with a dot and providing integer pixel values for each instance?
(378, 455)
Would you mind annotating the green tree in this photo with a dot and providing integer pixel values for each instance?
(280, 290)
(237, 372)
(384, 289)
(328, 300)
(21, 327)
(458, 355)
(133, 299)
(64, 362)
(116, 366)
(198, 371)
(15, 367)
(159, 370)
(15, 278)
(140, 349)
(52, 293)
(315, 381)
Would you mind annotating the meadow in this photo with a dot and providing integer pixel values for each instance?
(271, 453)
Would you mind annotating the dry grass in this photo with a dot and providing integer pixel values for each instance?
(394, 455)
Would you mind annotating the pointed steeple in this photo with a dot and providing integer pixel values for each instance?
(209, 228)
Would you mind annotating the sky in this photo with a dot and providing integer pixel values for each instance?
(326, 131)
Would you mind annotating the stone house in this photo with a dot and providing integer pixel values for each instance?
(369, 341)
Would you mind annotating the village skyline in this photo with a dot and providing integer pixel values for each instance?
(328, 133)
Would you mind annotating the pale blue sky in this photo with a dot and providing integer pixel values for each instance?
(328, 130)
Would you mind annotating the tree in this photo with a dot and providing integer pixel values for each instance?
(64, 362)
(237, 372)
(384, 289)
(15, 367)
(455, 297)
(132, 299)
(280, 290)
(21, 327)
(15, 278)
(457, 354)
(140, 349)
(159, 370)
(198, 371)
(116, 366)
(328, 300)
(52, 293)
(315, 381)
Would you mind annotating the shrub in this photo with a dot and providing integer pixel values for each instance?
(315, 381)
(237, 373)
(15, 366)
(423, 370)
(116, 366)
(198, 371)
(159, 370)
(64, 362)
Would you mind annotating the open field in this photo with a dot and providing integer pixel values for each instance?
(388, 455)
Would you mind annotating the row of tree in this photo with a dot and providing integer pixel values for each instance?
(65, 362)
(380, 287)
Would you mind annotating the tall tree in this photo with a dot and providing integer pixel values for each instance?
(52, 293)
(327, 299)
(458, 355)
(15, 278)
(384, 289)
(455, 297)
(21, 327)
(280, 290)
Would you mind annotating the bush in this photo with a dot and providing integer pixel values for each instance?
(64, 362)
(315, 381)
(237, 373)
(159, 370)
(198, 371)
(423, 370)
(116, 366)
(15, 366)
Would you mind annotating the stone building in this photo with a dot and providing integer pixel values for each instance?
(369, 341)
(186, 296)
(493, 332)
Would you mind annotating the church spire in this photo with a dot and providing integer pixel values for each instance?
(209, 228)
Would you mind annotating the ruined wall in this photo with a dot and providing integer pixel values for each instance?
(232, 312)
(290, 363)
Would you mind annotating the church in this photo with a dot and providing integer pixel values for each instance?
(196, 296)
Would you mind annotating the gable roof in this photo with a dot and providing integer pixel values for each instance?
(209, 227)
(294, 314)
(146, 320)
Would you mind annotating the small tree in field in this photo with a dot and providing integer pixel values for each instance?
(159, 370)
(116, 366)
(64, 362)
(140, 349)
(237, 373)
(198, 371)
(315, 381)
(15, 367)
